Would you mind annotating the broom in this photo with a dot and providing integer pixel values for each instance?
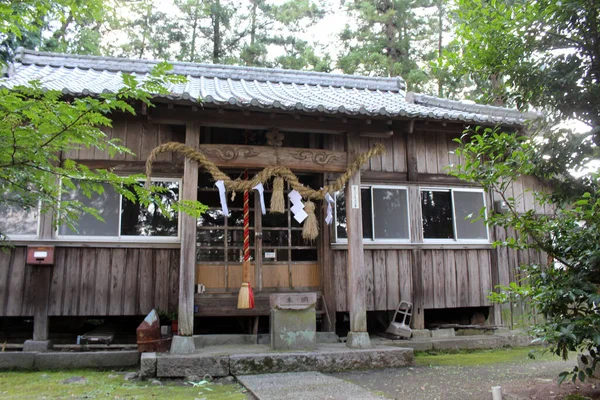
(246, 297)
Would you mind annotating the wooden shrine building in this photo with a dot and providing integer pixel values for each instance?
(403, 236)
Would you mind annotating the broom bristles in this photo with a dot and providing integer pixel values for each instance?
(277, 200)
(244, 296)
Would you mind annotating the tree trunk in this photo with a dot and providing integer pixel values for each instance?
(194, 34)
(440, 48)
(217, 32)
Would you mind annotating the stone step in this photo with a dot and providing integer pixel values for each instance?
(259, 359)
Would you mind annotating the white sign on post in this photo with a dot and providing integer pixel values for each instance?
(355, 196)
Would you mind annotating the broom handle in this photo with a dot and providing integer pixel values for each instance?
(246, 263)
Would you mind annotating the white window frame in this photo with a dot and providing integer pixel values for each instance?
(456, 239)
(373, 239)
(37, 228)
(130, 238)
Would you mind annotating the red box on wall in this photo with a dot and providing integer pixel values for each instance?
(40, 255)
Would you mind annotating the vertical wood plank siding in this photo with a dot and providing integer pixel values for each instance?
(93, 282)
(448, 278)
(138, 136)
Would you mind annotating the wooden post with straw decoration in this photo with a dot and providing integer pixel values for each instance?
(246, 297)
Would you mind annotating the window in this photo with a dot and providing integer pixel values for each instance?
(124, 219)
(18, 223)
(384, 214)
(451, 214)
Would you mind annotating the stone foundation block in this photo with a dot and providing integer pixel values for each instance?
(16, 360)
(182, 345)
(462, 343)
(221, 340)
(92, 359)
(293, 329)
(321, 361)
(178, 366)
(327, 337)
(358, 340)
(37, 345)
(443, 333)
(148, 365)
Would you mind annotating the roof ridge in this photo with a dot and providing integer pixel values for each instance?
(26, 57)
(458, 105)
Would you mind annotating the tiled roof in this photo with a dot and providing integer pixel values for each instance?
(256, 87)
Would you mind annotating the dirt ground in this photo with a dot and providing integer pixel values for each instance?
(435, 379)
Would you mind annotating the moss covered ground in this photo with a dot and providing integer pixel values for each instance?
(482, 357)
(106, 385)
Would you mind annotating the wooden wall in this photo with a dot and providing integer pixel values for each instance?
(137, 135)
(94, 282)
(449, 278)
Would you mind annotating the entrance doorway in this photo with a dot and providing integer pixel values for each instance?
(281, 259)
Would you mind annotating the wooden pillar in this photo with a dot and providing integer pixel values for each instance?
(357, 289)
(42, 275)
(187, 264)
(40, 287)
(416, 224)
(327, 269)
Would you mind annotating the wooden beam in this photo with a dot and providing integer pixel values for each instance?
(188, 237)
(357, 290)
(262, 120)
(242, 156)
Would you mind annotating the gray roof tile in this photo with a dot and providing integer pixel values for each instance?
(257, 87)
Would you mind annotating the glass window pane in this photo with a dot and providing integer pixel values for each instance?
(340, 215)
(340, 210)
(236, 218)
(467, 207)
(275, 238)
(304, 255)
(391, 213)
(213, 217)
(208, 254)
(235, 237)
(237, 255)
(437, 214)
(137, 220)
(275, 220)
(18, 221)
(211, 237)
(107, 205)
(367, 206)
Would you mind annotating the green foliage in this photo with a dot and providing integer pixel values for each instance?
(566, 293)
(68, 26)
(542, 53)
(39, 127)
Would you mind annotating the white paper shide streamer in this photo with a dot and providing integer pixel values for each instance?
(298, 207)
(330, 202)
(261, 192)
(222, 196)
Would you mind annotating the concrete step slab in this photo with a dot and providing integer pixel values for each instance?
(259, 359)
(303, 385)
(325, 359)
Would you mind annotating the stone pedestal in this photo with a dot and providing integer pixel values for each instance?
(293, 321)
(37, 345)
(358, 340)
(183, 345)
